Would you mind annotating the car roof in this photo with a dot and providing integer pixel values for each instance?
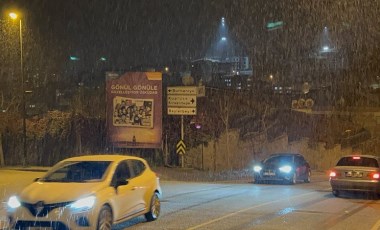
(103, 157)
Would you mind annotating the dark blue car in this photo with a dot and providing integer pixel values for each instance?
(283, 167)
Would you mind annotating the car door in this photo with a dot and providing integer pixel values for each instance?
(140, 182)
(126, 196)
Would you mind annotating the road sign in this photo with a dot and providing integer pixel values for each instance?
(182, 90)
(181, 147)
(182, 101)
(182, 111)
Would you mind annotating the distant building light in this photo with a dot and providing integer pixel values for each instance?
(103, 59)
(167, 69)
(224, 39)
(326, 48)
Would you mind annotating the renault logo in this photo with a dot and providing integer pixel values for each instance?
(39, 206)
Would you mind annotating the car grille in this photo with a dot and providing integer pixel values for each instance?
(56, 225)
(40, 210)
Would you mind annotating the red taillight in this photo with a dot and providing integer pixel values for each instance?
(375, 175)
(356, 158)
(332, 174)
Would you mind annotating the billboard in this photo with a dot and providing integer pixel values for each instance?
(134, 109)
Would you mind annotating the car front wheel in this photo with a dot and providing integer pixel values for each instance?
(155, 208)
(105, 218)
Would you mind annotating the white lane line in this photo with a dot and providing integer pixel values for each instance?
(376, 226)
(246, 209)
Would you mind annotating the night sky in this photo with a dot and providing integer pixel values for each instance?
(151, 33)
(133, 32)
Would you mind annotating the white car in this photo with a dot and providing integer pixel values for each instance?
(88, 192)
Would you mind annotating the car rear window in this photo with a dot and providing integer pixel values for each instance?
(358, 161)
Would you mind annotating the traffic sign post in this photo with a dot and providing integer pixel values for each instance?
(182, 100)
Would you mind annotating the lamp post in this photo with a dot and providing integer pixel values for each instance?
(14, 16)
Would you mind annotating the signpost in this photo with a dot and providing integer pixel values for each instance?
(182, 100)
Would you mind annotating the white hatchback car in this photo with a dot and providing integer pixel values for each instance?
(88, 192)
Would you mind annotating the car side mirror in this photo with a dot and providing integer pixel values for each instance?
(121, 182)
(36, 179)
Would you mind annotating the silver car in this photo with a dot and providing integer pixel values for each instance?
(356, 173)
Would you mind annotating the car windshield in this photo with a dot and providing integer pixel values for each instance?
(78, 171)
(358, 161)
(279, 160)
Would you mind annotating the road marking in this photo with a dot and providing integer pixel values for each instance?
(247, 209)
(376, 226)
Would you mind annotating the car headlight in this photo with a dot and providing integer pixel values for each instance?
(286, 169)
(257, 168)
(84, 203)
(13, 202)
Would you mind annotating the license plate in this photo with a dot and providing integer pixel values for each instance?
(357, 174)
(269, 174)
(354, 174)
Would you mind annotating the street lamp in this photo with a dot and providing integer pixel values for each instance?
(15, 16)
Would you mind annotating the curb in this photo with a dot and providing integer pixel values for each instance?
(26, 169)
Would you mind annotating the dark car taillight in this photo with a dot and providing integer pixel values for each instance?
(333, 174)
(374, 175)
